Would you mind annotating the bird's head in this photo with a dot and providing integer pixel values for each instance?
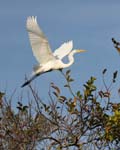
(76, 51)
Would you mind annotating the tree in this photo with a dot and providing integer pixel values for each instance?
(89, 119)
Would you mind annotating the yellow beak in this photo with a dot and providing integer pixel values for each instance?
(80, 50)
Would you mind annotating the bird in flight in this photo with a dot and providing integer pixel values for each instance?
(47, 60)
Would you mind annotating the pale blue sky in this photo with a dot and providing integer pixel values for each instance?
(90, 24)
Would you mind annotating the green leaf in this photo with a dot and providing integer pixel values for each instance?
(93, 79)
(68, 78)
(68, 72)
(56, 88)
(62, 98)
(66, 85)
(20, 104)
(25, 108)
(101, 94)
(79, 94)
(86, 86)
(104, 71)
(20, 108)
(93, 88)
(115, 75)
(71, 80)
(46, 107)
(58, 147)
(56, 94)
(1, 95)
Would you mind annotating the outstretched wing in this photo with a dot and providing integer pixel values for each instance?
(39, 42)
(63, 50)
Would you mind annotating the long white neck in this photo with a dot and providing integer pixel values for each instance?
(70, 58)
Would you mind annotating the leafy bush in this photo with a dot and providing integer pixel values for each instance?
(89, 119)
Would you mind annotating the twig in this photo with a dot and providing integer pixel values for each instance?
(68, 83)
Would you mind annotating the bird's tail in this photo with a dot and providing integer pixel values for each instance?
(28, 81)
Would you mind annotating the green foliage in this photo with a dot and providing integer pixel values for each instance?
(87, 119)
(89, 88)
(112, 128)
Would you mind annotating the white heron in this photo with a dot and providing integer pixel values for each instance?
(47, 60)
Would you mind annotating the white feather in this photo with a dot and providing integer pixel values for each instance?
(39, 43)
(63, 50)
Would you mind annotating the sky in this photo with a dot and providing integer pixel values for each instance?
(90, 24)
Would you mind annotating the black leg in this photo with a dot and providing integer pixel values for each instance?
(28, 81)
